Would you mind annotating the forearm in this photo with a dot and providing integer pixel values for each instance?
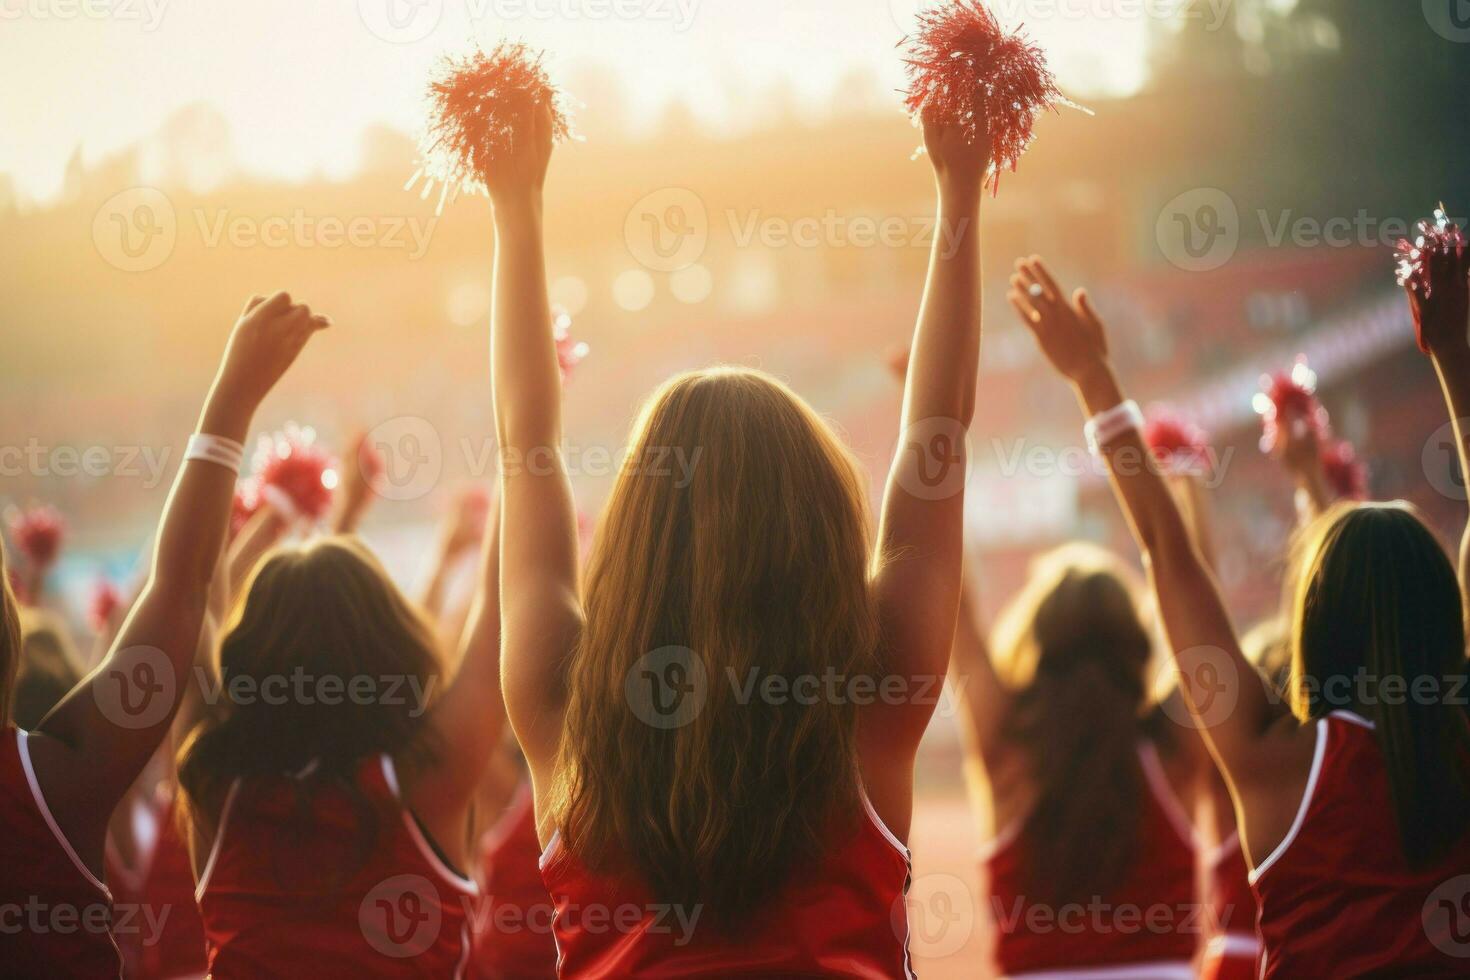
(524, 366)
(943, 364)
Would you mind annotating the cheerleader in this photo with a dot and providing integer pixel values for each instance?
(60, 783)
(1354, 806)
(723, 781)
(1092, 860)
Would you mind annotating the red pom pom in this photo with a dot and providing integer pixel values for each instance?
(477, 105)
(105, 601)
(1439, 236)
(963, 65)
(569, 352)
(1289, 398)
(1179, 445)
(38, 532)
(1346, 474)
(296, 476)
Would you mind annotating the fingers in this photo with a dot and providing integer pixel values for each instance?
(1022, 305)
(1083, 302)
(279, 302)
(1042, 275)
(251, 304)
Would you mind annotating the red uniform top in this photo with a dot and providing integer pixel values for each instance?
(1337, 897)
(157, 922)
(1146, 928)
(842, 916)
(55, 916)
(304, 890)
(513, 938)
(1234, 951)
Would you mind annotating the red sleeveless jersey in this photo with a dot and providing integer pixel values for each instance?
(157, 922)
(1338, 898)
(1147, 928)
(843, 915)
(513, 938)
(1234, 951)
(55, 916)
(309, 879)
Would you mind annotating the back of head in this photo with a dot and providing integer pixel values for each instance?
(48, 670)
(733, 550)
(10, 647)
(1377, 628)
(1075, 648)
(323, 663)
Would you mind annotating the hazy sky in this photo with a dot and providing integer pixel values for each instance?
(299, 79)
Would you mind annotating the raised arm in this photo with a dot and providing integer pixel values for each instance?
(916, 566)
(1443, 319)
(539, 607)
(983, 699)
(470, 716)
(93, 745)
(1226, 696)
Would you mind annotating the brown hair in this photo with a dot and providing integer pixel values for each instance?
(1074, 645)
(326, 609)
(1377, 599)
(748, 560)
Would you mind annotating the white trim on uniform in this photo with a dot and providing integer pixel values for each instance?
(1318, 754)
(1158, 782)
(23, 748)
(988, 850)
(1356, 719)
(1162, 970)
(550, 851)
(1234, 945)
(219, 836)
(416, 834)
(888, 835)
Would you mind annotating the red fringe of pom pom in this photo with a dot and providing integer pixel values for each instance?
(38, 533)
(1179, 445)
(294, 471)
(1438, 236)
(1288, 397)
(964, 67)
(478, 104)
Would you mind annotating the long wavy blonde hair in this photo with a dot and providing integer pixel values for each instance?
(734, 547)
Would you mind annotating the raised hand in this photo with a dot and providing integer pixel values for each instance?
(1069, 331)
(958, 163)
(1442, 313)
(264, 343)
(521, 173)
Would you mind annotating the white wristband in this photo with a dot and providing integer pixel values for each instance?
(215, 449)
(1104, 427)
